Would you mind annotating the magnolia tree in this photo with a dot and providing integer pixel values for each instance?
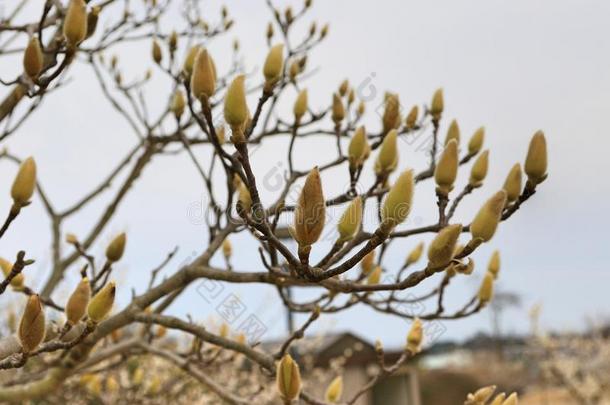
(127, 352)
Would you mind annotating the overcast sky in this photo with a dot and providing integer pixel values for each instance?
(514, 67)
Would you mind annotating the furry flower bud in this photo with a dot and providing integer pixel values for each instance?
(411, 119)
(300, 105)
(350, 220)
(274, 65)
(387, 159)
(487, 288)
(24, 183)
(476, 141)
(32, 325)
(236, 109)
(244, 197)
(189, 61)
(100, 305)
(33, 58)
(157, 54)
(374, 276)
(178, 104)
(453, 132)
(115, 249)
(415, 336)
(512, 399)
(227, 249)
(437, 105)
(499, 399)
(415, 254)
(513, 183)
(398, 203)
(479, 170)
(446, 169)
(75, 23)
(310, 212)
(78, 302)
(536, 161)
(494, 264)
(357, 147)
(486, 221)
(338, 110)
(334, 390)
(442, 247)
(203, 78)
(288, 378)
(391, 115)
(368, 262)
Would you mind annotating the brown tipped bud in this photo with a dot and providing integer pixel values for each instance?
(115, 249)
(453, 132)
(442, 247)
(172, 42)
(494, 264)
(476, 142)
(189, 61)
(227, 249)
(92, 19)
(236, 109)
(75, 23)
(411, 119)
(357, 148)
(415, 336)
(485, 223)
(32, 58)
(157, 54)
(368, 262)
(310, 212)
(274, 65)
(338, 111)
(24, 183)
(415, 254)
(334, 390)
(437, 105)
(536, 161)
(391, 115)
(269, 32)
(398, 203)
(100, 305)
(178, 104)
(479, 169)
(288, 378)
(78, 302)
(203, 78)
(513, 183)
(19, 280)
(300, 105)
(324, 31)
(351, 219)
(446, 169)
(32, 325)
(487, 288)
(343, 88)
(387, 159)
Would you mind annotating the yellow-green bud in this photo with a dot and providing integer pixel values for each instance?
(300, 105)
(274, 65)
(360, 109)
(536, 161)
(494, 264)
(368, 262)
(32, 58)
(75, 23)
(357, 147)
(453, 132)
(334, 390)
(189, 61)
(487, 288)
(479, 169)
(157, 54)
(387, 159)
(32, 325)
(338, 110)
(244, 197)
(398, 203)
(415, 336)
(486, 221)
(482, 395)
(288, 378)
(227, 249)
(437, 105)
(78, 302)
(415, 254)
(100, 305)
(476, 141)
(115, 249)
(499, 399)
(310, 211)
(446, 169)
(24, 183)
(391, 114)
(411, 119)
(442, 248)
(236, 109)
(19, 280)
(343, 88)
(513, 183)
(374, 276)
(203, 78)
(350, 220)
(178, 104)
(512, 399)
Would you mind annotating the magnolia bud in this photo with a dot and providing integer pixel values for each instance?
(368, 262)
(487, 288)
(269, 32)
(374, 276)
(244, 197)
(343, 88)
(78, 302)
(482, 395)
(92, 19)
(494, 264)
(357, 147)
(223, 332)
(398, 203)
(360, 109)
(178, 104)
(172, 42)
(513, 183)
(415, 336)
(415, 254)
(101, 304)
(387, 159)
(75, 23)
(115, 249)
(437, 105)
(338, 111)
(227, 249)
(391, 114)
(310, 212)
(486, 221)
(203, 78)
(446, 169)
(288, 378)
(350, 220)
(236, 109)
(294, 71)
(479, 170)
(274, 65)
(17, 281)
(157, 55)
(536, 161)
(324, 31)
(334, 390)
(351, 97)
(24, 183)
(476, 142)
(499, 399)
(453, 132)
(32, 58)
(512, 399)
(300, 105)
(442, 247)
(411, 119)
(32, 325)
(189, 61)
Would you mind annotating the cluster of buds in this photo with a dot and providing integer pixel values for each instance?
(483, 396)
